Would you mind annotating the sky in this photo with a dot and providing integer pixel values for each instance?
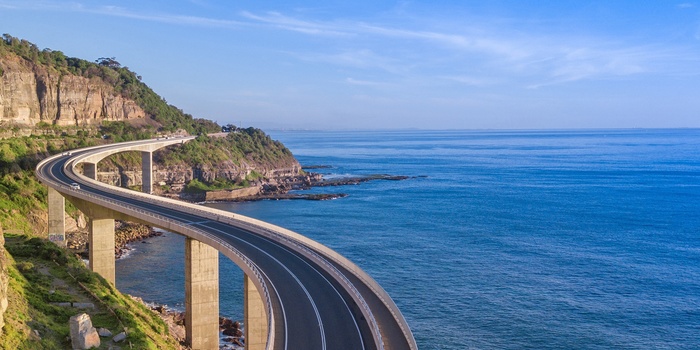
(378, 64)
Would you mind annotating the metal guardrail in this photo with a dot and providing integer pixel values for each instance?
(309, 248)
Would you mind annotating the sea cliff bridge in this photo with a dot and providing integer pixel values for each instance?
(299, 294)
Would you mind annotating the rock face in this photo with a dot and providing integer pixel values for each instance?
(178, 175)
(30, 94)
(3, 280)
(82, 334)
(231, 194)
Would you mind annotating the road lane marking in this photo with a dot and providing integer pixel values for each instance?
(308, 295)
(329, 283)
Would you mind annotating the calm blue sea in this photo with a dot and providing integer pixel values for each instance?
(512, 240)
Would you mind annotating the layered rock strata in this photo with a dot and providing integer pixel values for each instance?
(30, 94)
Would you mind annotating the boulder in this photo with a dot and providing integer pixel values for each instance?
(82, 334)
(104, 332)
(81, 222)
(119, 337)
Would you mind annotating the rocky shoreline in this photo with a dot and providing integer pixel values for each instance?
(124, 233)
(231, 332)
(279, 189)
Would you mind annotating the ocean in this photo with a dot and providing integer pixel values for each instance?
(582, 239)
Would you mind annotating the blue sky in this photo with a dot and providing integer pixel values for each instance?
(393, 64)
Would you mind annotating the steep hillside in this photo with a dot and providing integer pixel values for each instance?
(50, 103)
(59, 103)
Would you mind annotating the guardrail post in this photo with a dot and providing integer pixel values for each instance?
(255, 317)
(101, 250)
(57, 217)
(201, 295)
(146, 172)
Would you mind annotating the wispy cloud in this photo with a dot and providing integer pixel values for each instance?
(470, 42)
(353, 81)
(164, 17)
(289, 23)
(464, 54)
(118, 11)
(362, 59)
(473, 81)
(546, 59)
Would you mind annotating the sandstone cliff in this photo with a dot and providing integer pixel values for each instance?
(31, 93)
(175, 177)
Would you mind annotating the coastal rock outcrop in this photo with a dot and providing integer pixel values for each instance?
(30, 94)
(284, 173)
(125, 233)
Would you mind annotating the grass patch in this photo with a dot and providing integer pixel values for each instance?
(196, 186)
(41, 274)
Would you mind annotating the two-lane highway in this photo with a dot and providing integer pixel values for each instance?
(317, 301)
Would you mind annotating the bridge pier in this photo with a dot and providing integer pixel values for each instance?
(57, 217)
(101, 247)
(201, 295)
(255, 317)
(146, 172)
(90, 170)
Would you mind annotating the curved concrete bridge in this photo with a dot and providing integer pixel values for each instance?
(299, 294)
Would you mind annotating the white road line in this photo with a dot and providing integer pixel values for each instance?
(308, 295)
(197, 222)
(284, 314)
(329, 283)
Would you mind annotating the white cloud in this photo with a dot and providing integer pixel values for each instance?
(473, 81)
(288, 23)
(362, 59)
(473, 42)
(164, 18)
(506, 53)
(118, 11)
(478, 54)
(353, 81)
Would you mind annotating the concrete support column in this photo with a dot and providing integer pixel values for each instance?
(57, 217)
(201, 295)
(255, 317)
(90, 170)
(101, 241)
(146, 172)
